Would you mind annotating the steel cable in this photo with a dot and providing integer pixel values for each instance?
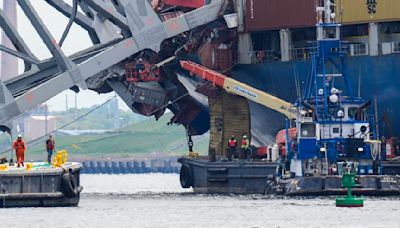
(70, 22)
(65, 125)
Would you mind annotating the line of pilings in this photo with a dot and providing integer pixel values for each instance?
(130, 167)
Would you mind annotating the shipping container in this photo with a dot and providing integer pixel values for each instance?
(365, 11)
(186, 3)
(170, 15)
(276, 14)
(217, 57)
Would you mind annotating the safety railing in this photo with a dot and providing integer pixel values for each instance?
(359, 49)
(304, 53)
(396, 47)
(390, 47)
(264, 56)
(301, 53)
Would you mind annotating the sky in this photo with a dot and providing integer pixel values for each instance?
(77, 40)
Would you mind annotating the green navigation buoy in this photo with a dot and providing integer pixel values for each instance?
(349, 181)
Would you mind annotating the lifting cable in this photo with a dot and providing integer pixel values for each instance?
(152, 113)
(70, 22)
(67, 124)
(91, 111)
(157, 137)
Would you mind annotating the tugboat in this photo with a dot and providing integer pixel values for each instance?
(333, 127)
(40, 184)
(326, 128)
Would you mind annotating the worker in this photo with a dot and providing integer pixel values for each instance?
(19, 147)
(50, 145)
(232, 144)
(140, 67)
(260, 56)
(244, 146)
(280, 168)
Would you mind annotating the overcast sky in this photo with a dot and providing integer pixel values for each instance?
(77, 40)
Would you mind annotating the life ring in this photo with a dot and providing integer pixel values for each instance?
(186, 176)
(69, 184)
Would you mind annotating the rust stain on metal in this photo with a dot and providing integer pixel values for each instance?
(129, 43)
(54, 42)
(150, 21)
(29, 97)
(173, 26)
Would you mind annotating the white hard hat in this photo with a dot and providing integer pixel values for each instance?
(334, 98)
(19, 135)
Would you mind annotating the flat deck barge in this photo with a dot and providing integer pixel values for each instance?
(259, 177)
(40, 186)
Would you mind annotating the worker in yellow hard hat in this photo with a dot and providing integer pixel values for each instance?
(244, 146)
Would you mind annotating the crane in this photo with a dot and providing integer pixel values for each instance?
(233, 86)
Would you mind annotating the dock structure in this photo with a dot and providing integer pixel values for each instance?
(130, 167)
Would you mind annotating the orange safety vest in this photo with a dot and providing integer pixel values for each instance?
(245, 143)
(232, 143)
(19, 146)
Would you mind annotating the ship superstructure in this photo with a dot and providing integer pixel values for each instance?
(277, 39)
(332, 123)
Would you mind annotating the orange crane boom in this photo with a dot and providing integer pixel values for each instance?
(238, 88)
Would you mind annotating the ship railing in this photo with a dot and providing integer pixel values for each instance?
(264, 56)
(359, 49)
(396, 47)
(301, 53)
(390, 47)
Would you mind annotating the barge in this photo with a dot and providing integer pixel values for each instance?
(40, 185)
(259, 177)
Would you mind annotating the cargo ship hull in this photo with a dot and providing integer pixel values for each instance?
(374, 78)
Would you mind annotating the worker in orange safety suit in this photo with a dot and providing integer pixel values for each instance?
(19, 147)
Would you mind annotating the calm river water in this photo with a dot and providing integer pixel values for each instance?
(157, 200)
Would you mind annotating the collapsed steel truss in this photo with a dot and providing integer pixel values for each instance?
(118, 29)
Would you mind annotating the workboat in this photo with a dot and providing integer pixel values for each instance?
(39, 184)
(327, 127)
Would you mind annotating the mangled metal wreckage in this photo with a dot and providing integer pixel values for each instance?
(136, 45)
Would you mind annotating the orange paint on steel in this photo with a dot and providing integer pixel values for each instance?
(186, 3)
(207, 74)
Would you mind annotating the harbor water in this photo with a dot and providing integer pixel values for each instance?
(157, 200)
